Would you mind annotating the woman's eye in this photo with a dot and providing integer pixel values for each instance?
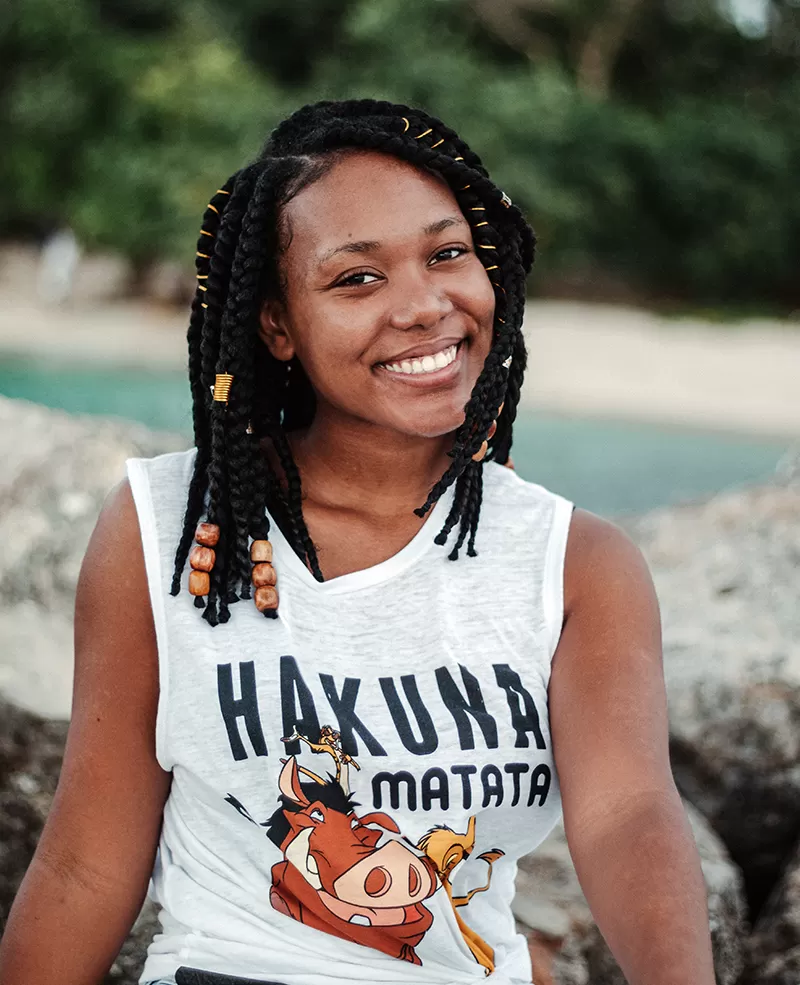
(356, 279)
(450, 253)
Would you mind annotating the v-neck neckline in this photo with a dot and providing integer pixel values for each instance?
(287, 560)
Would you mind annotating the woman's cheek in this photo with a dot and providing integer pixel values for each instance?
(331, 359)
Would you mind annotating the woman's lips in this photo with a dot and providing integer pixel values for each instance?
(423, 371)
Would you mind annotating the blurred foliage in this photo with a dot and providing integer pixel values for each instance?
(651, 141)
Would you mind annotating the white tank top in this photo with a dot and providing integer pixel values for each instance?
(354, 782)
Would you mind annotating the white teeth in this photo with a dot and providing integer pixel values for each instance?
(427, 364)
(360, 919)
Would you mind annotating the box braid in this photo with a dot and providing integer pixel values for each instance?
(237, 261)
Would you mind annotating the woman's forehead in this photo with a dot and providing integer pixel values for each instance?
(367, 196)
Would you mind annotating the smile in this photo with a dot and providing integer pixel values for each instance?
(424, 364)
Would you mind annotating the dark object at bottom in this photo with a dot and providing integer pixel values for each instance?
(194, 976)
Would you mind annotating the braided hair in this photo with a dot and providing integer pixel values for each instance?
(237, 261)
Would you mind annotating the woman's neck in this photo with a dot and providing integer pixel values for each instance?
(365, 468)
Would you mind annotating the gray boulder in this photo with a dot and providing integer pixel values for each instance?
(773, 950)
(565, 944)
(727, 574)
(57, 470)
(31, 750)
(30, 759)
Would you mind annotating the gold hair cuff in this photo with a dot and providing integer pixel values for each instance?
(221, 387)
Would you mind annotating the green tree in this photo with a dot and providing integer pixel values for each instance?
(193, 112)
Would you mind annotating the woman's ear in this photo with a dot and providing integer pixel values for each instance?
(274, 332)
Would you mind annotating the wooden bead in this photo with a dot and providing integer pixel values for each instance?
(207, 534)
(264, 574)
(261, 550)
(492, 430)
(199, 582)
(481, 452)
(202, 558)
(266, 598)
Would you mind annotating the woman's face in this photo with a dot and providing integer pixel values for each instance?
(386, 306)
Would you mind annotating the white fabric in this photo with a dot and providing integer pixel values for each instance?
(435, 672)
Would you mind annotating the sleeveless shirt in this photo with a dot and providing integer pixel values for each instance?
(354, 782)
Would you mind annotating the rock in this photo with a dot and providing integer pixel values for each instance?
(566, 946)
(727, 573)
(30, 760)
(773, 950)
(781, 969)
(128, 965)
(31, 750)
(57, 470)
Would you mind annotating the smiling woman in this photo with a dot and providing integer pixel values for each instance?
(356, 358)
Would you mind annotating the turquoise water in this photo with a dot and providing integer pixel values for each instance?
(606, 466)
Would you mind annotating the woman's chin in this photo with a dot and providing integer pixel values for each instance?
(431, 425)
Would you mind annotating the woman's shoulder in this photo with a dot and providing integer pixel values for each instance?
(167, 475)
(600, 553)
(170, 462)
(523, 519)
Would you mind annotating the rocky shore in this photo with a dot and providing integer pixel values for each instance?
(727, 572)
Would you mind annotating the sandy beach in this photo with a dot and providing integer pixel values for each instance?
(583, 359)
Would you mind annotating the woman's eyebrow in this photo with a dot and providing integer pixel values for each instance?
(442, 224)
(367, 245)
(360, 246)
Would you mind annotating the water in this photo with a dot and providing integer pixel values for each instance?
(608, 467)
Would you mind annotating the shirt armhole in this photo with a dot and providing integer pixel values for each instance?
(140, 488)
(553, 587)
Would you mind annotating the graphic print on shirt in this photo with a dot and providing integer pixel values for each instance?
(353, 875)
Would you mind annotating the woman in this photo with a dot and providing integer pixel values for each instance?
(345, 788)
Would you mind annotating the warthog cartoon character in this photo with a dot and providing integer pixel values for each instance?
(352, 875)
(340, 872)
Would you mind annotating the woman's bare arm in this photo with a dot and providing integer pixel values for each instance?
(89, 875)
(626, 827)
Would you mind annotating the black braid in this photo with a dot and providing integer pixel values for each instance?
(206, 243)
(234, 480)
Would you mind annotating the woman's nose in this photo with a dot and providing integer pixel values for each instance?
(419, 305)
